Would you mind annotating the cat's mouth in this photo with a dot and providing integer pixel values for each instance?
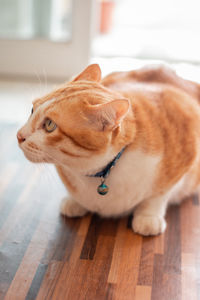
(34, 158)
(34, 155)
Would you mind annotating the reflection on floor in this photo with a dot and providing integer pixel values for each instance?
(45, 256)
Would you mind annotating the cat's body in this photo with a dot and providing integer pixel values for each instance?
(123, 193)
(160, 130)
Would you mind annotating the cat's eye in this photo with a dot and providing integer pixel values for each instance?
(32, 111)
(49, 125)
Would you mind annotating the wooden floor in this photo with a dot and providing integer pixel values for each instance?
(45, 256)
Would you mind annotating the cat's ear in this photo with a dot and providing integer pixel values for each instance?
(91, 73)
(109, 115)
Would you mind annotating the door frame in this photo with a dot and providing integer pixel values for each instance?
(57, 60)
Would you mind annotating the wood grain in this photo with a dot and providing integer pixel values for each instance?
(46, 256)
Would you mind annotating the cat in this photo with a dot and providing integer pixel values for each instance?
(144, 123)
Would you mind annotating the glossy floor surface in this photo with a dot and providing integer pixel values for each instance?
(46, 256)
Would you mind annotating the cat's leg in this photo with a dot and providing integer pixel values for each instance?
(70, 208)
(149, 216)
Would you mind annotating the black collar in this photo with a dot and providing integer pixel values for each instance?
(103, 188)
(106, 171)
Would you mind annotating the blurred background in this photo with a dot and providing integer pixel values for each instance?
(47, 42)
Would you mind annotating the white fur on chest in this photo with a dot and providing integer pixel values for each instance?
(130, 182)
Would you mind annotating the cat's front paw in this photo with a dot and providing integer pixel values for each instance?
(71, 208)
(148, 225)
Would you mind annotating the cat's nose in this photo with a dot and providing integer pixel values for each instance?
(20, 137)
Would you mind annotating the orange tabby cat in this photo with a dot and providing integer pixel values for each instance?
(145, 122)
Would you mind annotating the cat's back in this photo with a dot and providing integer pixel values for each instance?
(167, 115)
(149, 81)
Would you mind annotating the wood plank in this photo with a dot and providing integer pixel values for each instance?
(190, 227)
(25, 274)
(11, 195)
(125, 262)
(68, 267)
(167, 267)
(30, 261)
(157, 284)
(189, 277)
(159, 244)
(18, 240)
(90, 243)
(145, 276)
(143, 292)
(172, 250)
(91, 277)
(18, 211)
(197, 268)
(36, 282)
(50, 280)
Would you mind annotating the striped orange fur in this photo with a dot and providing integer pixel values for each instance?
(152, 112)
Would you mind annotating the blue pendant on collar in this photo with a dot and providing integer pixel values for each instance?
(103, 188)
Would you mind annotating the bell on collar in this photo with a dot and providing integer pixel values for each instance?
(102, 189)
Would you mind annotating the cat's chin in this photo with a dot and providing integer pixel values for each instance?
(34, 158)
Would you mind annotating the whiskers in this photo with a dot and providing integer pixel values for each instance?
(44, 86)
(38, 155)
(50, 174)
(45, 78)
(34, 154)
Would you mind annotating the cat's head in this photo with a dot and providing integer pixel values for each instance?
(78, 125)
